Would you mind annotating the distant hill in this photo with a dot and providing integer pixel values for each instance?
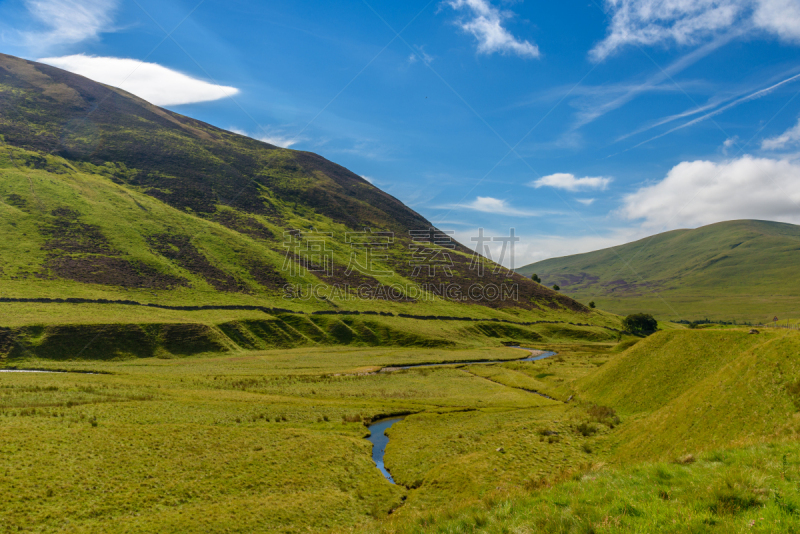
(103, 195)
(736, 270)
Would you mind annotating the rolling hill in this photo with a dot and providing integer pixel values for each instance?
(687, 391)
(112, 202)
(736, 270)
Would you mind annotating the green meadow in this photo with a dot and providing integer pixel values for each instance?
(683, 429)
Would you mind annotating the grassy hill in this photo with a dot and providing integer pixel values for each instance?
(686, 391)
(736, 270)
(106, 197)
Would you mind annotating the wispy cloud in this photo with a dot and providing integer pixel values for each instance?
(485, 23)
(420, 54)
(664, 22)
(788, 138)
(570, 182)
(741, 100)
(494, 206)
(601, 104)
(273, 136)
(156, 84)
(67, 21)
(585, 201)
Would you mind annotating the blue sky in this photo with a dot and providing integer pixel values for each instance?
(582, 124)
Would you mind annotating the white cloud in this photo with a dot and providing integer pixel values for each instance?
(703, 192)
(485, 23)
(68, 21)
(570, 183)
(586, 201)
(495, 206)
(368, 179)
(273, 137)
(781, 17)
(789, 137)
(156, 84)
(686, 22)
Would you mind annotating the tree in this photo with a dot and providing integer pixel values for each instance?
(640, 323)
(591, 304)
(555, 286)
(535, 278)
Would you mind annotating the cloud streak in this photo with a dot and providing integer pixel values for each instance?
(569, 182)
(752, 96)
(68, 21)
(485, 23)
(273, 137)
(156, 84)
(494, 206)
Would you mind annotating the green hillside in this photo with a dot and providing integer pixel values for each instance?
(686, 391)
(736, 270)
(104, 196)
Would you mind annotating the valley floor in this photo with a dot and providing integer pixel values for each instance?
(274, 441)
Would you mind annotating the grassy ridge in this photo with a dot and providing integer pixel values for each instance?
(735, 270)
(685, 391)
(258, 331)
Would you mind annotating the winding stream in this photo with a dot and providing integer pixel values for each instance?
(379, 440)
(535, 355)
(377, 430)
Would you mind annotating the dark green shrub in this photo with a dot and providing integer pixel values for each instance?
(556, 287)
(591, 304)
(640, 323)
(535, 278)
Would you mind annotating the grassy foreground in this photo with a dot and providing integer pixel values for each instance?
(273, 441)
(754, 489)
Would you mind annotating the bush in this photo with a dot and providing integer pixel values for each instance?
(535, 278)
(591, 304)
(555, 286)
(640, 323)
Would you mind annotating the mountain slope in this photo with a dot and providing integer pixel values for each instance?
(103, 195)
(745, 270)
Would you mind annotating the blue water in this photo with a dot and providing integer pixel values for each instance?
(379, 441)
(377, 429)
(530, 358)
